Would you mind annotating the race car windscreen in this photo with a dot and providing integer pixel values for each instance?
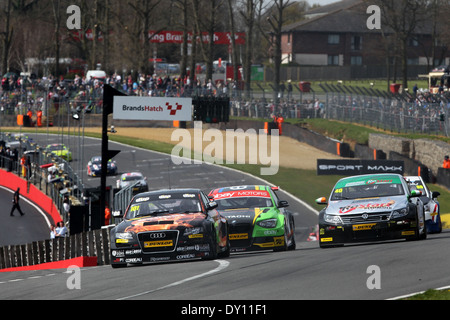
(243, 202)
(416, 185)
(367, 189)
(132, 178)
(56, 147)
(162, 204)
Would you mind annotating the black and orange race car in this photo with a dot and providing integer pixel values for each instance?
(175, 224)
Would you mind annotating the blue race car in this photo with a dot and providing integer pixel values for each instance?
(94, 167)
(430, 203)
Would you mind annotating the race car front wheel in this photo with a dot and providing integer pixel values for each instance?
(213, 246)
(283, 247)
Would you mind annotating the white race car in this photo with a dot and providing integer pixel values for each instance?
(130, 178)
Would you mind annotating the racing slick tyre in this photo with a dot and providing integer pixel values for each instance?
(417, 234)
(213, 246)
(118, 265)
(424, 233)
(226, 253)
(284, 247)
(440, 224)
(293, 244)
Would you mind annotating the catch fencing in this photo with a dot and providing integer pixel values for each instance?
(86, 244)
(400, 112)
(68, 109)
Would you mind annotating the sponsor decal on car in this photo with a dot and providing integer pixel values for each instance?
(359, 227)
(278, 241)
(238, 236)
(369, 206)
(196, 236)
(152, 244)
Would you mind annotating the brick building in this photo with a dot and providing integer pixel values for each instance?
(337, 35)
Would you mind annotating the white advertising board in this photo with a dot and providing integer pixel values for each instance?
(152, 108)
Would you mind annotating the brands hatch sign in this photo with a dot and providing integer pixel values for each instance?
(354, 167)
(151, 108)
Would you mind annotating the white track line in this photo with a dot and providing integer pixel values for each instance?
(222, 265)
(416, 293)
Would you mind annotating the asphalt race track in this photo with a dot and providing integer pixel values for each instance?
(33, 226)
(305, 273)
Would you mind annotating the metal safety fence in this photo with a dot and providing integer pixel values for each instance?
(67, 106)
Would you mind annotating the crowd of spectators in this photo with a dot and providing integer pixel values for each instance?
(21, 94)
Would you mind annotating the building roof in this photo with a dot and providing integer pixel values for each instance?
(343, 16)
(335, 6)
(346, 16)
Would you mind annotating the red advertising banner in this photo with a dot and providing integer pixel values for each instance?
(177, 37)
(89, 35)
(171, 37)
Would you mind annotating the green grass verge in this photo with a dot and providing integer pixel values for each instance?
(376, 84)
(431, 294)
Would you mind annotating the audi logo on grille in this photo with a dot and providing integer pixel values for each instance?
(158, 235)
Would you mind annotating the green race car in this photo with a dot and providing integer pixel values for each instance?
(257, 219)
(60, 150)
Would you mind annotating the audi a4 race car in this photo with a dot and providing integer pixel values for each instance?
(430, 203)
(136, 179)
(371, 207)
(257, 219)
(94, 167)
(164, 225)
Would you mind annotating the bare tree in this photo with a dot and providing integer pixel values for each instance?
(207, 22)
(276, 22)
(142, 10)
(56, 6)
(249, 20)
(234, 53)
(7, 35)
(402, 18)
(183, 6)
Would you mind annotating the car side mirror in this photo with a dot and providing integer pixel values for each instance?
(283, 204)
(211, 205)
(321, 200)
(117, 214)
(416, 193)
(435, 194)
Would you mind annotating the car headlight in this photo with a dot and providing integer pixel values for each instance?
(95, 167)
(399, 213)
(124, 235)
(269, 223)
(191, 231)
(332, 218)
